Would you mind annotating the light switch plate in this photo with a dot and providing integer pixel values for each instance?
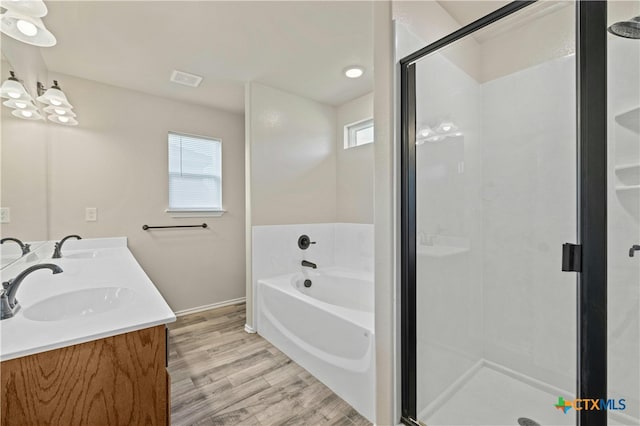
(91, 214)
(5, 215)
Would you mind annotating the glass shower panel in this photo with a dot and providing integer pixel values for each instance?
(496, 199)
(623, 227)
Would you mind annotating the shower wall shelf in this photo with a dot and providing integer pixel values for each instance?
(630, 119)
(625, 167)
(628, 188)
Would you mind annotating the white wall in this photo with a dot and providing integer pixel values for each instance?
(354, 166)
(293, 158)
(116, 161)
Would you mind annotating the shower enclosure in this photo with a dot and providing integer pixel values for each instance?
(512, 149)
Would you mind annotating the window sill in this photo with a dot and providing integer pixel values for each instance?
(195, 213)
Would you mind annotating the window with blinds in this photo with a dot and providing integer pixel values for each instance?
(195, 173)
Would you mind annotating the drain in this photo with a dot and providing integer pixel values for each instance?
(523, 421)
(307, 283)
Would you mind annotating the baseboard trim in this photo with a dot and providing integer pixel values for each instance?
(211, 306)
(249, 329)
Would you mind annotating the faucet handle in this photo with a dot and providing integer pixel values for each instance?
(304, 242)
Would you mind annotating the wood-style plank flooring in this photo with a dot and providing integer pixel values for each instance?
(221, 375)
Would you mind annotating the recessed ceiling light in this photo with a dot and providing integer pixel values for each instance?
(354, 72)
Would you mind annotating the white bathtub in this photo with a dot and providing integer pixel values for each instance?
(326, 328)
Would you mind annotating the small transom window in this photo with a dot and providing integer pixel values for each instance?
(359, 133)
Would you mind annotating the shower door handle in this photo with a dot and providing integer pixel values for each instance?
(571, 257)
(634, 248)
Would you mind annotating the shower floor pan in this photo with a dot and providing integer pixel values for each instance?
(489, 395)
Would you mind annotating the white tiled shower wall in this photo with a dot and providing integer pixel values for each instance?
(275, 248)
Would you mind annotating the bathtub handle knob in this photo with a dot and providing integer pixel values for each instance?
(304, 242)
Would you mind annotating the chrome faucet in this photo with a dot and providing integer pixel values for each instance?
(57, 254)
(26, 248)
(8, 303)
(309, 264)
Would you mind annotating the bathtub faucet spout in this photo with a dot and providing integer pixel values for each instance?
(309, 264)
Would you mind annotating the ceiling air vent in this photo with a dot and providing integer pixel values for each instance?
(185, 78)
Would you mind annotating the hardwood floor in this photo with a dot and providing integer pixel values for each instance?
(221, 375)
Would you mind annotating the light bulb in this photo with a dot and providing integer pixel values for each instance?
(14, 95)
(26, 113)
(20, 105)
(26, 28)
(55, 102)
(60, 111)
(63, 119)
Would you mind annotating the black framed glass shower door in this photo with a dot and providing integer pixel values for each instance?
(503, 161)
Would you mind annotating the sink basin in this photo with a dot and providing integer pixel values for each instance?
(80, 304)
(81, 255)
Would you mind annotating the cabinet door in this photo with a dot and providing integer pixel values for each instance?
(119, 380)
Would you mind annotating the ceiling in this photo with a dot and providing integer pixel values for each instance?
(300, 47)
(467, 11)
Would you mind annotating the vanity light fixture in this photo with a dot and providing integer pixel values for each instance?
(18, 104)
(26, 114)
(35, 8)
(13, 89)
(27, 29)
(67, 121)
(59, 108)
(54, 96)
(354, 71)
(19, 99)
(446, 126)
(444, 130)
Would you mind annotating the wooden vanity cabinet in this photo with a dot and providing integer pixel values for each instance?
(118, 380)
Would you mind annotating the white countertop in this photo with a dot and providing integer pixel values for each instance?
(87, 264)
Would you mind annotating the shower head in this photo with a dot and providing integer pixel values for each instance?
(627, 29)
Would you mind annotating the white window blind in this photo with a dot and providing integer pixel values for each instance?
(195, 173)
